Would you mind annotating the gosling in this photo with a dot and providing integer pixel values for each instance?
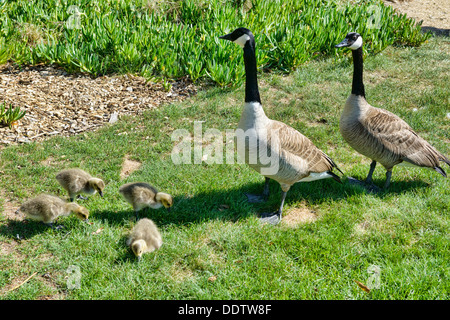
(77, 181)
(47, 208)
(142, 195)
(144, 237)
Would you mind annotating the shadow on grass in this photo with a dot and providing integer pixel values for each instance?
(128, 255)
(395, 187)
(20, 230)
(230, 205)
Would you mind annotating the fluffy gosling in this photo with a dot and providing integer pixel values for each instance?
(77, 181)
(141, 195)
(144, 237)
(48, 208)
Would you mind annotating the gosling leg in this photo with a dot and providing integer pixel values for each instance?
(51, 225)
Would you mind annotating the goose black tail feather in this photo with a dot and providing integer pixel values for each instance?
(441, 171)
(443, 158)
(334, 176)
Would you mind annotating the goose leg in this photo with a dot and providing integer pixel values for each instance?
(266, 190)
(280, 211)
(372, 169)
(253, 198)
(275, 217)
(388, 179)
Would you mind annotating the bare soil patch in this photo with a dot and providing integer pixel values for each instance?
(298, 216)
(128, 167)
(435, 14)
(10, 208)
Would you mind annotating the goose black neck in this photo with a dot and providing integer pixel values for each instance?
(357, 85)
(251, 81)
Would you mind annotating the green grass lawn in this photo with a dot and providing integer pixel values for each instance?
(214, 247)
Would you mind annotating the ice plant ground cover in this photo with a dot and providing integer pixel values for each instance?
(170, 39)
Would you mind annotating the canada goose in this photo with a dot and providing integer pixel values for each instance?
(141, 195)
(379, 134)
(77, 181)
(144, 237)
(47, 208)
(294, 157)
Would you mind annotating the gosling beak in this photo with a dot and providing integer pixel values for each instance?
(139, 258)
(86, 220)
(168, 209)
(100, 193)
(343, 43)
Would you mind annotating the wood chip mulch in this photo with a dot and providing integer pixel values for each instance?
(58, 103)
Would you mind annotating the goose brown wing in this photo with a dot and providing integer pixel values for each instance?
(295, 144)
(395, 135)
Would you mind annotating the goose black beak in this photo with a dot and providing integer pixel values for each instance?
(344, 43)
(226, 37)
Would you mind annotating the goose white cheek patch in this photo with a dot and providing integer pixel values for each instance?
(357, 44)
(242, 40)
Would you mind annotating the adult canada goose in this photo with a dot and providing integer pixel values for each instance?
(144, 237)
(141, 195)
(77, 181)
(273, 148)
(379, 134)
(47, 208)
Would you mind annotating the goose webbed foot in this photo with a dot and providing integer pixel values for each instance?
(369, 186)
(272, 218)
(256, 198)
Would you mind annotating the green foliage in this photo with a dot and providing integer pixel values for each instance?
(179, 38)
(10, 115)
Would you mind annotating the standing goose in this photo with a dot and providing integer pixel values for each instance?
(379, 134)
(293, 157)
